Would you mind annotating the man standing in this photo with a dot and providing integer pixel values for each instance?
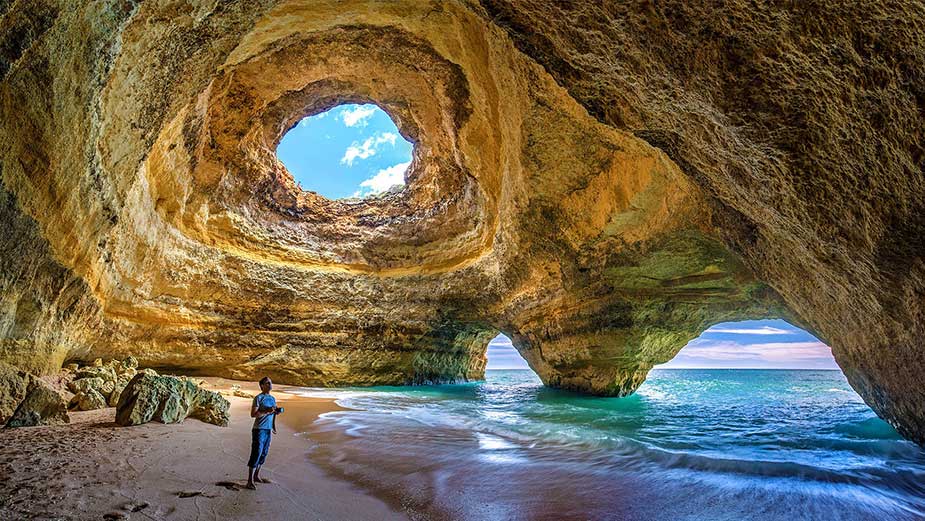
(264, 411)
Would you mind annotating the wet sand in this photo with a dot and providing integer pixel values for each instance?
(94, 469)
(412, 494)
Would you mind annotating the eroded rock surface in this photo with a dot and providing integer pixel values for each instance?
(89, 400)
(169, 399)
(41, 406)
(599, 181)
(99, 384)
(14, 384)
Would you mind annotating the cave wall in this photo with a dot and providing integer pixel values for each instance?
(802, 123)
(602, 182)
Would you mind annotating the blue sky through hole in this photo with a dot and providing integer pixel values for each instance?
(754, 344)
(349, 151)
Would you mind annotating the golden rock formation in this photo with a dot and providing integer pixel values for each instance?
(600, 182)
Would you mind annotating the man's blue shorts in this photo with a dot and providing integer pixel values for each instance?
(260, 445)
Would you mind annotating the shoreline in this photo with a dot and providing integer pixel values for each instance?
(377, 465)
(419, 453)
(394, 497)
(94, 469)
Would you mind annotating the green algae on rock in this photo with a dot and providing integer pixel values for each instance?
(169, 399)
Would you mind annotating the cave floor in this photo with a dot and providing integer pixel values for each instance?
(94, 469)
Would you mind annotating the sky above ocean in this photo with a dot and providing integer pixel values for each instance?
(356, 151)
(751, 344)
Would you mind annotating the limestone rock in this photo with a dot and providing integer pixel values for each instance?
(42, 406)
(82, 385)
(120, 384)
(60, 382)
(236, 391)
(168, 399)
(14, 384)
(106, 374)
(130, 362)
(211, 407)
(89, 400)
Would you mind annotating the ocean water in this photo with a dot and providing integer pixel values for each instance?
(690, 444)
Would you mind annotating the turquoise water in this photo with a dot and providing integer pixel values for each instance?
(690, 444)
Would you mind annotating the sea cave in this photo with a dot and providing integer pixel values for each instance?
(602, 183)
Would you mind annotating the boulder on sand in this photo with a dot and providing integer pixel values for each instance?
(14, 384)
(106, 373)
(83, 385)
(42, 406)
(236, 391)
(168, 399)
(89, 400)
(108, 379)
(120, 385)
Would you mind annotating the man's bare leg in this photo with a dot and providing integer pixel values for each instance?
(251, 475)
(258, 479)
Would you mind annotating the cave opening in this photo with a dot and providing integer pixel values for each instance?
(351, 151)
(503, 356)
(754, 344)
(741, 374)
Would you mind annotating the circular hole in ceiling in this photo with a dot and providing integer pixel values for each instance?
(349, 151)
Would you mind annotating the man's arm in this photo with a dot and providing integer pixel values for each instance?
(260, 412)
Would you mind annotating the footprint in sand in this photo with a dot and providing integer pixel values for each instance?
(135, 507)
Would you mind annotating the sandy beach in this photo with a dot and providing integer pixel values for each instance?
(94, 469)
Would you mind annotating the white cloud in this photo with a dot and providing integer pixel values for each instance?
(357, 115)
(770, 351)
(383, 180)
(368, 147)
(707, 353)
(763, 330)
